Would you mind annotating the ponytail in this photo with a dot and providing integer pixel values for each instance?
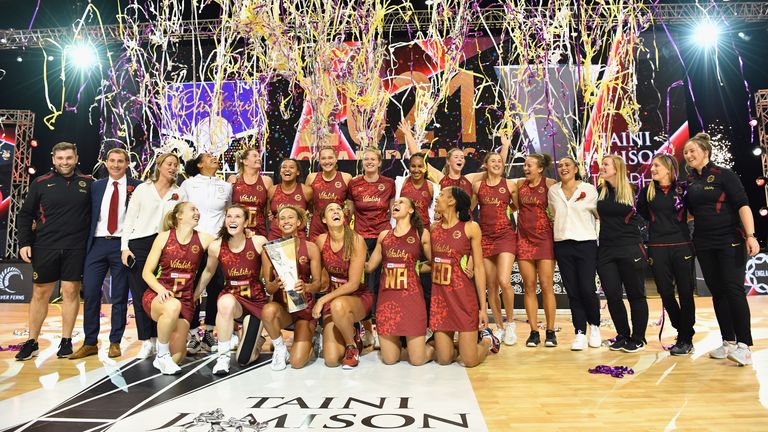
(171, 219)
(463, 203)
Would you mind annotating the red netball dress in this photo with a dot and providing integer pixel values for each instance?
(325, 192)
(495, 225)
(535, 239)
(176, 272)
(242, 276)
(281, 199)
(371, 200)
(454, 299)
(421, 197)
(305, 274)
(401, 310)
(254, 198)
(338, 270)
(461, 182)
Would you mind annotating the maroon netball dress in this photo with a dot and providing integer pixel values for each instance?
(371, 200)
(281, 199)
(421, 197)
(454, 299)
(401, 310)
(338, 271)
(461, 182)
(176, 272)
(305, 274)
(325, 192)
(535, 239)
(254, 198)
(242, 277)
(495, 225)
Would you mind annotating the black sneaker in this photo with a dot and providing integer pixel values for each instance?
(618, 344)
(550, 339)
(208, 343)
(633, 346)
(533, 340)
(65, 348)
(681, 348)
(28, 350)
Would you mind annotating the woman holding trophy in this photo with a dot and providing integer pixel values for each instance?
(281, 311)
(243, 295)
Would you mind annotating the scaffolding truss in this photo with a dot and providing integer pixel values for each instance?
(761, 107)
(23, 123)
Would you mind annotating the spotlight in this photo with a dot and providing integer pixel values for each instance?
(757, 151)
(763, 212)
(31, 170)
(82, 55)
(760, 181)
(50, 58)
(3, 40)
(706, 34)
(753, 122)
(33, 143)
(19, 59)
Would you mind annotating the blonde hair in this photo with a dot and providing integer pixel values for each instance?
(350, 236)
(669, 162)
(243, 155)
(171, 219)
(158, 163)
(624, 193)
(448, 156)
(704, 142)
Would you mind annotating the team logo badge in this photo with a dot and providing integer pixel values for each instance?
(81, 183)
(381, 187)
(337, 185)
(457, 234)
(297, 197)
(250, 255)
(650, 261)
(541, 189)
(710, 179)
(303, 260)
(410, 240)
(34, 275)
(259, 188)
(502, 190)
(425, 194)
(195, 249)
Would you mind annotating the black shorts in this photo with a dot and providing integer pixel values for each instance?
(51, 265)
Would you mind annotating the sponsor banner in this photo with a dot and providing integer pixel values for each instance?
(15, 282)
(756, 275)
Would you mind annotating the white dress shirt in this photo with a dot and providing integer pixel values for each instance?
(576, 218)
(146, 210)
(211, 195)
(101, 225)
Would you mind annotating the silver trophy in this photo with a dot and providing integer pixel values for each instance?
(282, 253)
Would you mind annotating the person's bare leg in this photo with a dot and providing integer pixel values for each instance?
(38, 307)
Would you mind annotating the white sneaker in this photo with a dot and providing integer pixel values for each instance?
(741, 355)
(499, 333)
(579, 342)
(222, 365)
(166, 365)
(279, 358)
(722, 351)
(510, 337)
(146, 350)
(234, 342)
(595, 340)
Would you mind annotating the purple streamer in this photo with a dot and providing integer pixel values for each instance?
(34, 15)
(680, 57)
(16, 347)
(614, 371)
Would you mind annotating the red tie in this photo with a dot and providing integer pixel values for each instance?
(113, 203)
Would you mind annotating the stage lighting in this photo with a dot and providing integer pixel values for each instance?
(31, 170)
(706, 34)
(33, 143)
(19, 59)
(82, 55)
(753, 122)
(757, 151)
(763, 212)
(760, 181)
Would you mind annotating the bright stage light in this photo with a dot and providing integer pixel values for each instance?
(760, 181)
(763, 212)
(757, 151)
(706, 34)
(82, 55)
(31, 170)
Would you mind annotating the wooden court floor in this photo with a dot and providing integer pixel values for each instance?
(527, 389)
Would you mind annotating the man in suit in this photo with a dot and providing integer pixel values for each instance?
(109, 199)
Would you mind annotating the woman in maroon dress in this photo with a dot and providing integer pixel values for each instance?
(417, 188)
(276, 316)
(496, 195)
(250, 188)
(170, 301)
(535, 246)
(243, 293)
(329, 185)
(454, 306)
(349, 300)
(401, 310)
(288, 192)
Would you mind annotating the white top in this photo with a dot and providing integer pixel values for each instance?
(101, 225)
(575, 219)
(146, 210)
(211, 195)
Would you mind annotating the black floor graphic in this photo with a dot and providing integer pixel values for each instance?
(111, 397)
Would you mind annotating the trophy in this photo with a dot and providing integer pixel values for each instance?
(282, 253)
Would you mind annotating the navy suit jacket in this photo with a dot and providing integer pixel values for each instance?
(98, 189)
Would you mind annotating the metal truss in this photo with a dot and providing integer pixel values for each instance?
(493, 18)
(24, 123)
(761, 107)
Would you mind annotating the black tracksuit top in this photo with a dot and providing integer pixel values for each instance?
(667, 225)
(619, 224)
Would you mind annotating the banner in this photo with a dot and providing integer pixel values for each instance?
(7, 149)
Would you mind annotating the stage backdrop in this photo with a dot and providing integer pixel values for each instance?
(7, 148)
